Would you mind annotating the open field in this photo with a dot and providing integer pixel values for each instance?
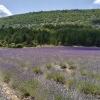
(52, 73)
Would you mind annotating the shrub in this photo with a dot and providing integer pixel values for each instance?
(29, 88)
(89, 88)
(33, 89)
(13, 84)
(83, 73)
(69, 83)
(59, 97)
(19, 45)
(1, 45)
(72, 67)
(58, 77)
(90, 74)
(63, 66)
(34, 43)
(37, 70)
(49, 66)
(12, 45)
(6, 77)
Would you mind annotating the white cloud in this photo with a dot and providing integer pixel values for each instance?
(97, 2)
(4, 11)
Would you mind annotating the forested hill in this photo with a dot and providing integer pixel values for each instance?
(83, 17)
(66, 27)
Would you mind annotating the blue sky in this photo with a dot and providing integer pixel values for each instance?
(23, 6)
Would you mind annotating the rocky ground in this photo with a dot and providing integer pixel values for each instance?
(6, 93)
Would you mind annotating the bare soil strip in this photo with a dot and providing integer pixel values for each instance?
(8, 92)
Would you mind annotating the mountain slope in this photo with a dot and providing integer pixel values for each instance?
(83, 17)
(67, 27)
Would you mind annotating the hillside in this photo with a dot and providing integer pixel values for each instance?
(83, 17)
(67, 27)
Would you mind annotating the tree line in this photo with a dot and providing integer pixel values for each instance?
(49, 34)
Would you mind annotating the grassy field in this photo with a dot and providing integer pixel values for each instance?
(52, 73)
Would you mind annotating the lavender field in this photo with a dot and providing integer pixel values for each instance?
(52, 73)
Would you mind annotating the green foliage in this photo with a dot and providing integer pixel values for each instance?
(29, 88)
(63, 66)
(67, 27)
(19, 46)
(56, 76)
(7, 78)
(70, 83)
(89, 88)
(55, 17)
(72, 67)
(90, 74)
(32, 88)
(37, 70)
(12, 45)
(84, 72)
(49, 66)
(59, 97)
(96, 21)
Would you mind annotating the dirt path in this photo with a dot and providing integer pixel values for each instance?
(8, 92)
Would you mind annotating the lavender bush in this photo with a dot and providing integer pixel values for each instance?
(82, 66)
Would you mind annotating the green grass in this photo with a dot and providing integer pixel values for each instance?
(63, 66)
(37, 70)
(48, 66)
(72, 67)
(29, 88)
(33, 88)
(70, 83)
(59, 97)
(90, 74)
(56, 76)
(83, 72)
(89, 88)
(5, 77)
